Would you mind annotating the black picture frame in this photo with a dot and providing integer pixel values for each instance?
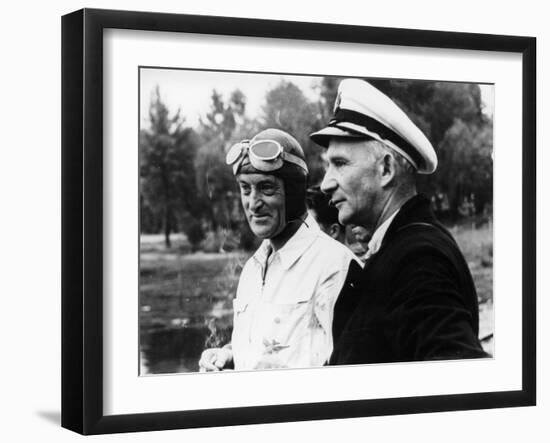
(82, 220)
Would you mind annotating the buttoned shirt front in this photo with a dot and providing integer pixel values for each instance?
(285, 299)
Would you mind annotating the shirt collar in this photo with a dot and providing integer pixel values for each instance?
(376, 239)
(295, 247)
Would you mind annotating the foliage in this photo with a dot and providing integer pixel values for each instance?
(465, 155)
(167, 173)
(222, 119)
(194, 232)
(287, 108)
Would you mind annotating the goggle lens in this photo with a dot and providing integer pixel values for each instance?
(264, 155)
(266, 149)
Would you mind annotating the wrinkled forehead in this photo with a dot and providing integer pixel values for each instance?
(256, 179)
(349, 148)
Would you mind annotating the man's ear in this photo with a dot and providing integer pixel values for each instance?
(388, 169)
(334, 231)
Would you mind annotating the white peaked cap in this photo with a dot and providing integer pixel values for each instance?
(361, 110)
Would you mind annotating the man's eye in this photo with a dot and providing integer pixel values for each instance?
(268, 190)
(245, 190)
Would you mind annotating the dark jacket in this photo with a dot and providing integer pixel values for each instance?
(414, 300)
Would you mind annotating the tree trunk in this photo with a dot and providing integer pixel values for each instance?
(167, 226)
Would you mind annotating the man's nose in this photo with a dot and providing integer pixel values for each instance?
(328, 184)
(255, 199)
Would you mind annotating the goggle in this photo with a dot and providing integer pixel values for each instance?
(264, 155)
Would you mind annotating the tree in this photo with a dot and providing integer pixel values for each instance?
(466, 152)
(167, 173)
(287, 108)
(328, 91)
(223, 118)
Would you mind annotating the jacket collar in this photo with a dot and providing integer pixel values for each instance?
(416, 209)
(378, 237)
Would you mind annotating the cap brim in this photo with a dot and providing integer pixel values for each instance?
(322, 137)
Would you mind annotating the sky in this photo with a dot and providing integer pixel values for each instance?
(190, 91)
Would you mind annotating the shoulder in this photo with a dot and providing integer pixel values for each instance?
(419, 250)
(329, 257)
(418, 237)
(331, 249)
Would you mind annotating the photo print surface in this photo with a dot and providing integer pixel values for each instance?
(196, 235)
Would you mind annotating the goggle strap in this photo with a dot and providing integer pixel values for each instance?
(291, 158)
(236, 164)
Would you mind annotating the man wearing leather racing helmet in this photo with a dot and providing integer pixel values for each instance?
(287, 289)
(277, 154)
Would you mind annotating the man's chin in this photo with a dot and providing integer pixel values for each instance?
(266, 232)
(261, 232)
(343, 218)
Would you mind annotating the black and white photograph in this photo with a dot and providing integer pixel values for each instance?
(299, 221)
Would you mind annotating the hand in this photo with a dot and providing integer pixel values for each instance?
(270, 361)
(215, 359)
